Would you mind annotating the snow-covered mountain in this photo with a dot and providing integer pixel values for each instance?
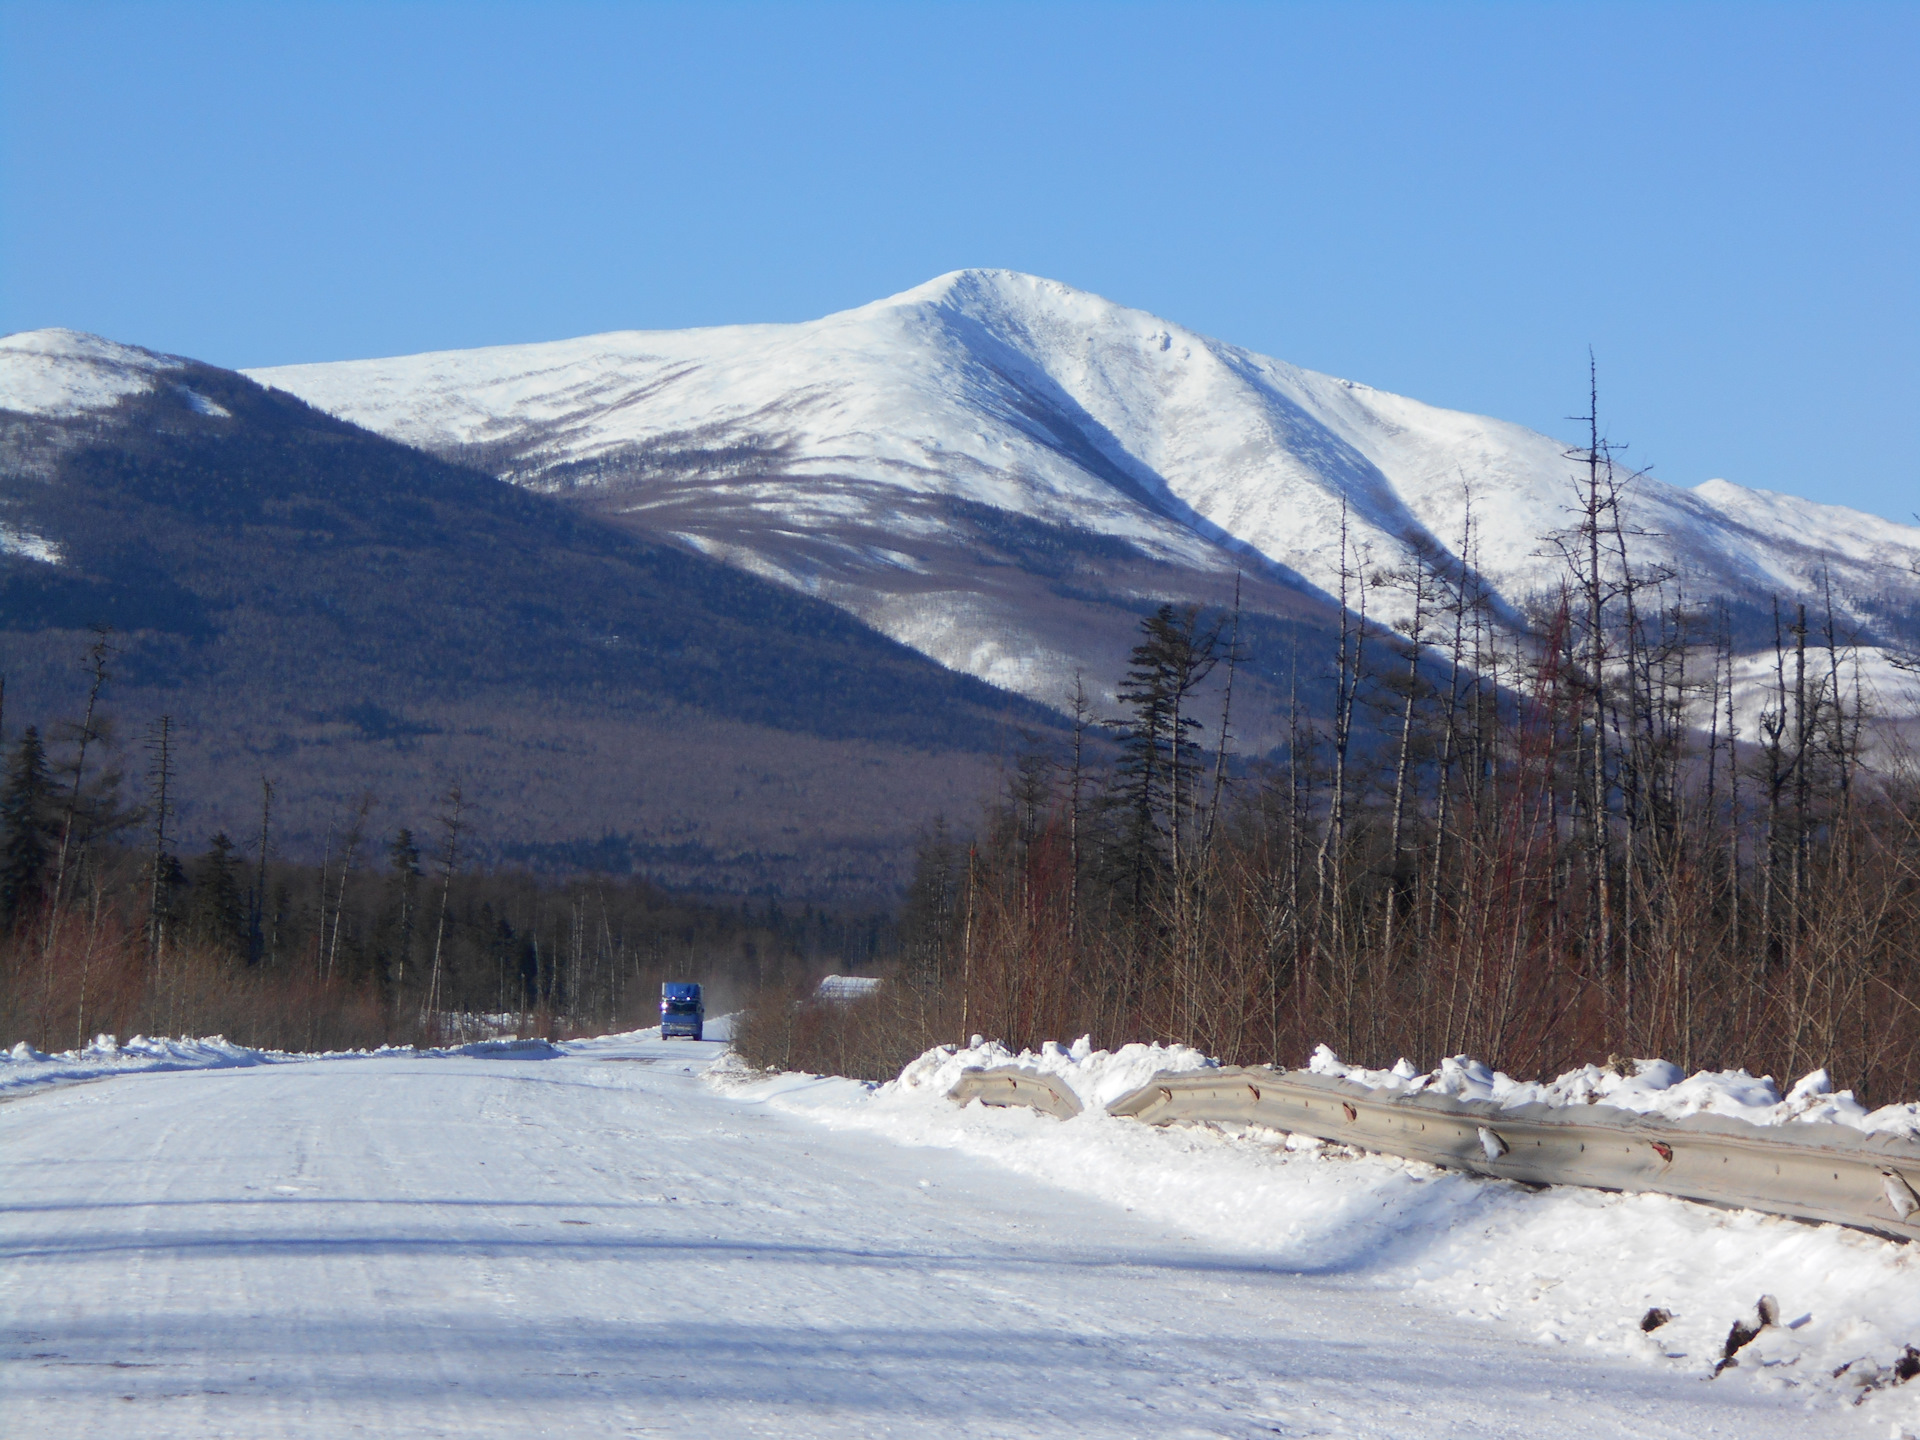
(904, 457)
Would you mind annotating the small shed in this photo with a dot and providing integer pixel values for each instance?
(845, 989)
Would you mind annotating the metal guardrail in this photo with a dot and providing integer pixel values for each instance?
(1010, 1085)
(1809, 1171)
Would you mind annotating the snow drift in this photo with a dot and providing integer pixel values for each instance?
(1096, 1077)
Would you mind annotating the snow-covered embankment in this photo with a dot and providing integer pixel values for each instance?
(1561, 1267)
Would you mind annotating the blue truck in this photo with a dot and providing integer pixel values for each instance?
(682, 1012)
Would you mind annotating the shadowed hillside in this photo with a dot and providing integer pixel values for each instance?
(337, 612)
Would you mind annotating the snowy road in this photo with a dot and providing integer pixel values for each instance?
(600, 1244)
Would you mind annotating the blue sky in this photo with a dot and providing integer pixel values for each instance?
(1450, 201)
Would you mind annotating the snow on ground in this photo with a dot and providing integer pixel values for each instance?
(602, 1238)
(1096, 1077)
(24, 1068)
(1569, 1271)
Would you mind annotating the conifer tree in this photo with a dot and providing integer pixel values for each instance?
(1157, 778)
(450, 823)
(26, 830)
(928, 920)
(219, 912)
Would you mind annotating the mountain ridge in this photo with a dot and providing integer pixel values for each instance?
(908, 459)
(829, 455)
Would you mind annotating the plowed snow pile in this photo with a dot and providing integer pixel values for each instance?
(1650, 1087)
(1097, 1077)
(24, 1068)
(1560, 1267)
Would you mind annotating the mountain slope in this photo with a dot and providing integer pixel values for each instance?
(868, 455)
(318, 604)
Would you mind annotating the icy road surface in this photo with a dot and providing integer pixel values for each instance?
(600, 1244)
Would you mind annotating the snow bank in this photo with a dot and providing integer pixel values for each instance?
(1648, 1087)
(1559, 1267)
(1097, 1077)
(846, 988)
(24, 1067)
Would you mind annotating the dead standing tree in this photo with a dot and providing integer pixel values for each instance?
(163, 868)
(450, 828)
(85, 735)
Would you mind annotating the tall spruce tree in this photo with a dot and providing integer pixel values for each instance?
(27, 824)
(219, 912)
(929, 919)
(1157, 780)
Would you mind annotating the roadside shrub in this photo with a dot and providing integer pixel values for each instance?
(869, 1038)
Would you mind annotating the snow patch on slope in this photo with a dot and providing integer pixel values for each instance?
(59, 374)
(1790, 520)
(17, 541)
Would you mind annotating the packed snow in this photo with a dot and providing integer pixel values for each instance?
(1645, 1087)
(621, 1236)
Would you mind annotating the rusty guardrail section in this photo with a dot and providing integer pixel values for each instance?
(1807, 1171)
(1010, 1085)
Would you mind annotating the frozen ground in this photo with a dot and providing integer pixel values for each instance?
(609, 1242)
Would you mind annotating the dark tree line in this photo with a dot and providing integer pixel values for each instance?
(106, 925)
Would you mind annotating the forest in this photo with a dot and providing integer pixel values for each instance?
(1600, 829)
(106, 927)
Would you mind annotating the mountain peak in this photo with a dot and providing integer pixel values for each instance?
(976, 281)
(990, 294)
